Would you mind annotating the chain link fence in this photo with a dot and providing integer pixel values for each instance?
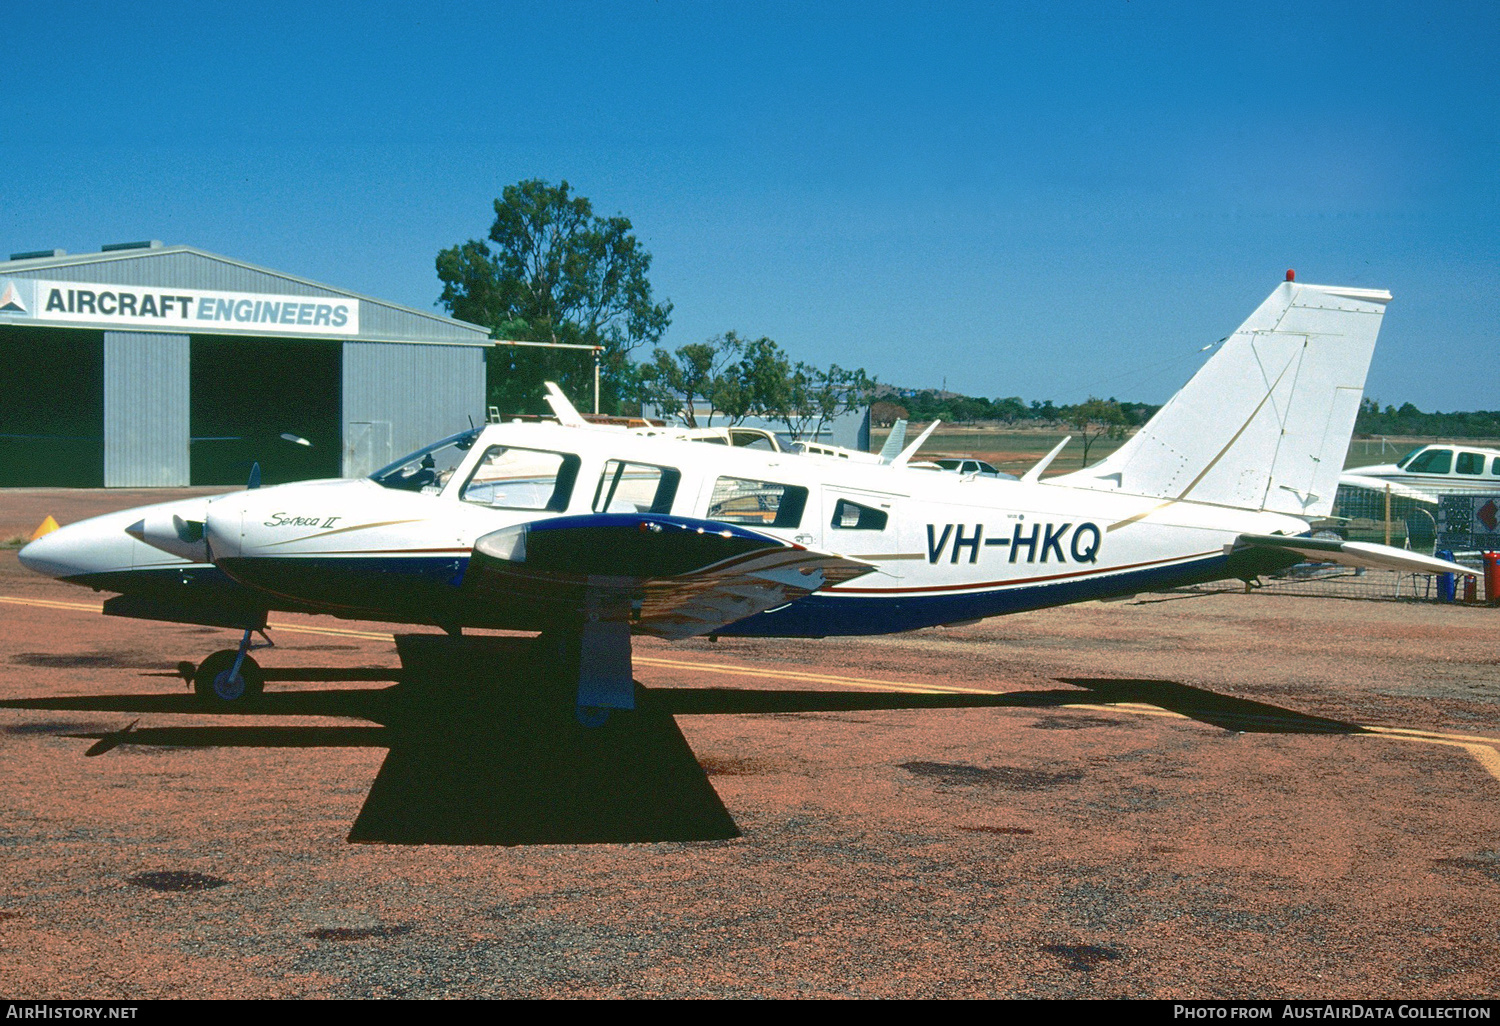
(1360, 514)
(1323, 580)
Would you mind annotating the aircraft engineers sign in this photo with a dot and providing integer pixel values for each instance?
(148, 308)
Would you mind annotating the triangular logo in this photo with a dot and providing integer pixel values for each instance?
(10, 299)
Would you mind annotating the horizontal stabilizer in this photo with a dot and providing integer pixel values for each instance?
(1397, 489)
(1035, 473)
(1346, 553)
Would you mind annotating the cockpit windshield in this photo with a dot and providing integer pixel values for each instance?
(428, 469)
(1403, 461)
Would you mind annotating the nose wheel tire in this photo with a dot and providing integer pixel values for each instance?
(217, 683)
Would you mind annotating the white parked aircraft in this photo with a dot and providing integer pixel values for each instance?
(1431, 471)
(592, 534)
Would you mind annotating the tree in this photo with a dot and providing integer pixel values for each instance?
(885, 413)
(836, 391)
(736, 377)
(676, 382)
(1011, 409)
(1093, 418)
(765, 373)
(554, 272)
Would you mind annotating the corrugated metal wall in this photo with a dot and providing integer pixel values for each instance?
(146, 408)
(190, 269)
(399, 397)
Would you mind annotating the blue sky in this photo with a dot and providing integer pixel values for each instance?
(1038, 199)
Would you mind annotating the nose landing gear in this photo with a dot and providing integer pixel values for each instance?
(231, 676)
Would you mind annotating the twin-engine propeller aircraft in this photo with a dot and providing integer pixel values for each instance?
(590, 535)
(1429, 472)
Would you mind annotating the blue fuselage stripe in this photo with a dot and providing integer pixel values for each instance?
(426, 589)
(828, 614)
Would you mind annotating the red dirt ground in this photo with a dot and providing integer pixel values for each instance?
(1031, 851)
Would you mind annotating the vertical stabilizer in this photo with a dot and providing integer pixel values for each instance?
(1265, 423)
(565, 412)
(894, 442)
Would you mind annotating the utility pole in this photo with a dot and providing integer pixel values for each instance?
(596, 350)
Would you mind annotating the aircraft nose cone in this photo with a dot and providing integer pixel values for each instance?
(58, 554)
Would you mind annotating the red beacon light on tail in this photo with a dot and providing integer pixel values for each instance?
(1291, 275)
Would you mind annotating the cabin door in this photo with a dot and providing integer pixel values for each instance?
(865, 525)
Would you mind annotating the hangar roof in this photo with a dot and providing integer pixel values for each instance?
(153, 266)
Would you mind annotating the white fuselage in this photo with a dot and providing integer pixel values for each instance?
(944, 547)
(1433, 471)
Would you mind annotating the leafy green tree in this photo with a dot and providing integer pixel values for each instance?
(799, 404)
(837, 391)
(701, 371)
(765, 373)
(1408, 420)
(552, 271)
(885, 413)
(1010, 409)
(1093, 418)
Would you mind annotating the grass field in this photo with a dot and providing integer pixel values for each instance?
(1014, 451)
(1011, 451)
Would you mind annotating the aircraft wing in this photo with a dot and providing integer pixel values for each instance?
(1380, 484)
(1347, 553)
(672, 577)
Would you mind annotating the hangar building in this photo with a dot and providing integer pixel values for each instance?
(146, 365)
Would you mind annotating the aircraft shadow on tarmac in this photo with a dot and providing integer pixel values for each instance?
(483, 747)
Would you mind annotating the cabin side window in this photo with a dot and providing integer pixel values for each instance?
(753, 438)
(851, 516)
(738, 500)
(1433, 461)
(635, 488)
(1470, 463)
(1495, 466)
(509, 478)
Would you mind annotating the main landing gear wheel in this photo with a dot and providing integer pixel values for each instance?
(217, 683)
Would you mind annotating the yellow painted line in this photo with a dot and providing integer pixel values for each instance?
(812, 678)
(340, 632)
(1483, 754)
(1129, 707)
(1433, 733)
(51, 604)
(89, 607)
(1480, 747)
(1487, 757)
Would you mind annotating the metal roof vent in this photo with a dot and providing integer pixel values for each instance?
(116, 246)
(39, 254)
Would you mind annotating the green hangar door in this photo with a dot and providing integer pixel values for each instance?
(265, 400)
(51, 408)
